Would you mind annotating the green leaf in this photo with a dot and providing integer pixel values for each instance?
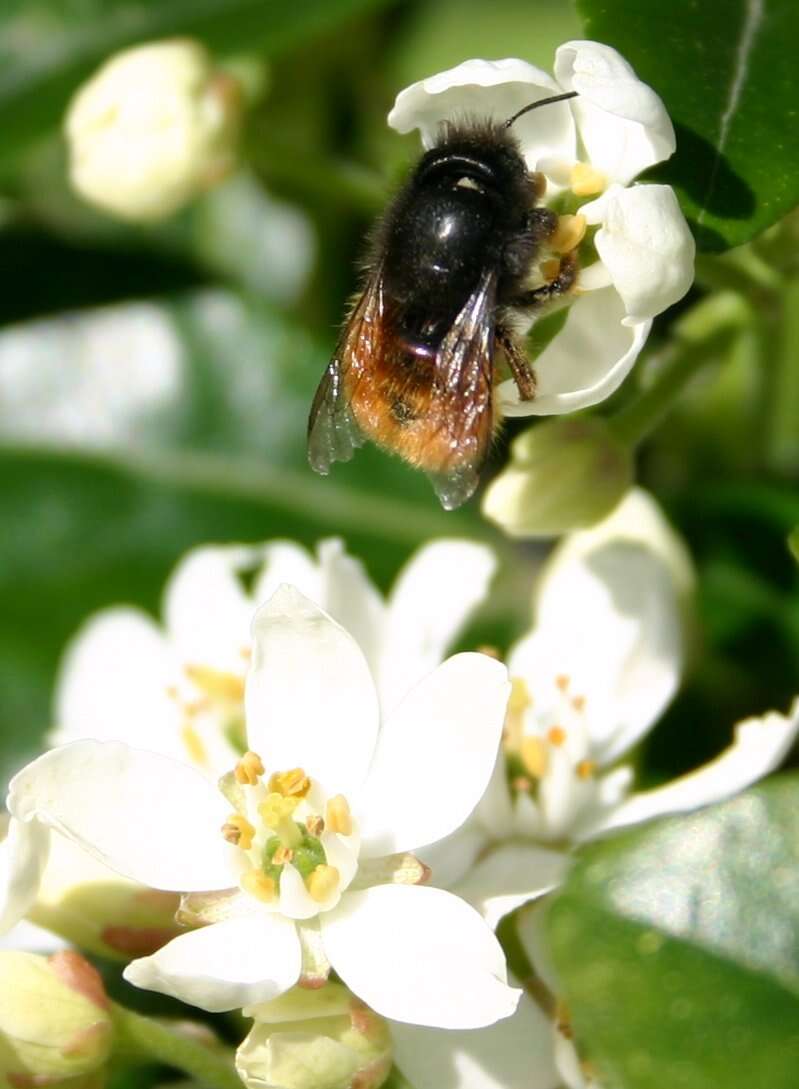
(678, 947)
(793, 543)
(50, 46)
(728, 75)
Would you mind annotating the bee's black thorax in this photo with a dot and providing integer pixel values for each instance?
(467, 207)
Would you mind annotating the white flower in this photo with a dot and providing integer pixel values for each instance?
(151, 129)
(590, 146)
(178, 689)
(592, 677)
(317, 850)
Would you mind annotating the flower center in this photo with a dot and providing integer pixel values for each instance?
(210, 693)
(279, 821)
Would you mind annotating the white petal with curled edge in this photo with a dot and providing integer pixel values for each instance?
(646, 246)
(515, 1053)
(284, 561)
(207, 612)
(310, 698)
(450, 859)
(511, 875)
(112, 685)
(434, 756)
(419, 955)
(608, 620)
(482, 89)
(760, 746)
(352, 600)
(150, 818)
(23, 854)
(622, 123)
(434, 595)
(587, 361)
(248, 959)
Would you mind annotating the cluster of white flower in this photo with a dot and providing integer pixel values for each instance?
(290, 755)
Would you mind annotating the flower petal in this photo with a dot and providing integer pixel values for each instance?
(284, 561)
(434, 756)
(609, 621)
(310, 697)
(113, 682)
(206, 609)
(586, 362)
(760, 746)
(351, 599)
(451, 858)
(23, 854)
(511, 875)
(432, 599)
(489, 89)
(623, 124)
(646, 246)
(515, 1053)
(419, 955)
(150, 818)
(247, 959)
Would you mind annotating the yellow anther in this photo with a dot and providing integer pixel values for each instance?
(521, 784)
(520, 698)
(192, 742)
(556, 735)
(215, 683)
(563, 680)
(322, 883)
(246, 653)
(585, 181)
(578, 703)
(315, 826)
(172, 691)
(290, 783)
(550, 269)
(238, 831)
(568, 234)
(585, 769)
(248, 769)
(275, 809)
(259, 885)
(534, 756)
(489, 651)
(282, 855)
(338, 817)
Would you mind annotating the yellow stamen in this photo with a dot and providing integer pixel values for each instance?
(556, 736)
(586, 181)
(282, 855)
(259, 885)
(322, 883)
(534, 756)
(172, 691)
(315, 825)
(578, 703)
(521, 784)
(563, 681)
(489, 651)
(248, 769)
(520, 698)
(277, 813)
(193, 744)
(215, 683)
(568, 234)
(338, 817)
(538, 183)
(246, 653)
(585, 769)
(290, 783)
(238, 831)
(550, 269)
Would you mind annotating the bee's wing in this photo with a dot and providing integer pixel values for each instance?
(333, 434)
(461, 401)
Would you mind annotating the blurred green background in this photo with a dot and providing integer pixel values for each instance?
(155, 381)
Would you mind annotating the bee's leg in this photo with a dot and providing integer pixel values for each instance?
(518, 362)
(560, 285)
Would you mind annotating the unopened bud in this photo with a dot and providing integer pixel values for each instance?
(155, 126)
(563, 475)
(54, 1018)
(320, 1039)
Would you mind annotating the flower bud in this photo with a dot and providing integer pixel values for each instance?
(55, 1021)
(563, 475)
(151, 129)
(315, 1039)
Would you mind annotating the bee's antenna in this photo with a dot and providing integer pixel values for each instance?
(535, 105)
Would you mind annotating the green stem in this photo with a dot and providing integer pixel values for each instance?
(141, 1036)
(782, 415)
(635, 421)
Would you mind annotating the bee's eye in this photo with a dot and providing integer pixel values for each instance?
(468, 183)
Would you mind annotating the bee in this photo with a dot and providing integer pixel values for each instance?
(446, 283)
